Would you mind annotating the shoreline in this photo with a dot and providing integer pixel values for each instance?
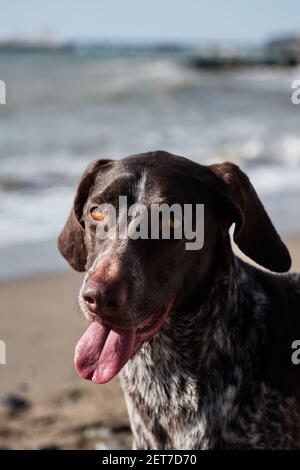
(35, 259)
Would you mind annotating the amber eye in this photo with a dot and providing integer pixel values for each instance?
(175, 223)
(97, 215)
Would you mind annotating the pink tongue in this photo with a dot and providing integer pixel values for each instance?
(102, 352)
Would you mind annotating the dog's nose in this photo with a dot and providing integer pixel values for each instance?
(105, 299)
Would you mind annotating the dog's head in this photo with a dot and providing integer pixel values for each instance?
(138, 259)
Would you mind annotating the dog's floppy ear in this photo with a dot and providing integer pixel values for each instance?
(254, 232)
(71, 241)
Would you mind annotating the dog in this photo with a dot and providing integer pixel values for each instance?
(202, 340)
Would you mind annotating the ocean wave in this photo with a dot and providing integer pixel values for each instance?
(63, 112)
(33, 217)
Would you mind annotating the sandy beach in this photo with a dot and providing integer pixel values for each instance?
(40, 324)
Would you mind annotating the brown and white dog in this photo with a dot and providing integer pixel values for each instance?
(203, 340)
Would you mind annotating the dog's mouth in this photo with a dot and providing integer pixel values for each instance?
(103, 350)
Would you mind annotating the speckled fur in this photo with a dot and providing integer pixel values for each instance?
(195, 385)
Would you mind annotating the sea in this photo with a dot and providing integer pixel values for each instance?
(66, 108)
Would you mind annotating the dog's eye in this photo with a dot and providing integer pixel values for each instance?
(175, 223)
(97, 215)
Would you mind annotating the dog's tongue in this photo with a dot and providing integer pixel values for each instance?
(102, 352)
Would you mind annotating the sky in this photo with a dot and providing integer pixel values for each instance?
(169, 20)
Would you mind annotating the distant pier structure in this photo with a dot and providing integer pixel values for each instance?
(284, 50)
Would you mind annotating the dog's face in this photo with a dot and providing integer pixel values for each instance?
(128, 278)
(133, 282)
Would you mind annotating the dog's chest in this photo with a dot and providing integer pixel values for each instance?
(163, 406)
(169, 410)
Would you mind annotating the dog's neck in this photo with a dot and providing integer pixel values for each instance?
(215, 329)
(205, 317)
